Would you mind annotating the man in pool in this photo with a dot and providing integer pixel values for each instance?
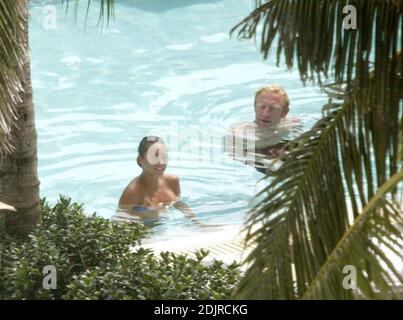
(147, 195)
(264, 138)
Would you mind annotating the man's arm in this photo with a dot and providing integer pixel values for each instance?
(275, 151)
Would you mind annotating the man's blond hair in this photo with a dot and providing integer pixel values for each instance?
(275, 89)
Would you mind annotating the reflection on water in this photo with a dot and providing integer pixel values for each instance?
(146, 215)
(122, 216)
(165, 68)
(158, 6)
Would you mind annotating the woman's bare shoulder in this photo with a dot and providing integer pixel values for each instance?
(132, 194)
(173, 182)
(171, 177)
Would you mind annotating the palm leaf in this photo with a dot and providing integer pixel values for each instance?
(106, 8)
(313, 31)
(11, 50)
(376, 228)
(307, 226)
(336, 200)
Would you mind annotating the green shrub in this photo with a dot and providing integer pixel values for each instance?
(142, 276)
(98, 259)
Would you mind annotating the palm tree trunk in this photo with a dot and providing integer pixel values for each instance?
(19, 184)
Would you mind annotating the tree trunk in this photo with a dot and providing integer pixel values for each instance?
(19, 184)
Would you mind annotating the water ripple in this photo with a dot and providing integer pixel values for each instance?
(165, 68)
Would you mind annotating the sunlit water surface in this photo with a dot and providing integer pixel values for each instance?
(166, 68)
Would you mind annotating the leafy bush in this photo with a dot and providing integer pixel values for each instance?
(98, 259)
(142, 276)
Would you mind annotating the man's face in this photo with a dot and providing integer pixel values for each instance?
(269, 109)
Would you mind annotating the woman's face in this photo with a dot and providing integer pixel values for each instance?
(156, 159)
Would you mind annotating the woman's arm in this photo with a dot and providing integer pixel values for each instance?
(187, 212)
(183, 207)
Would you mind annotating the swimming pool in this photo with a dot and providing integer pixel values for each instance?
(162, 67)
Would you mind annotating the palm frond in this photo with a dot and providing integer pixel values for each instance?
(12, 15)
(378, 227)
(310, 222)
(327, 203)
(313, 32)
(106, 9)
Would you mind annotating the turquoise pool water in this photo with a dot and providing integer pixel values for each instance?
(162, 67)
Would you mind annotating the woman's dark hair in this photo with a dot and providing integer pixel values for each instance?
(145, 144)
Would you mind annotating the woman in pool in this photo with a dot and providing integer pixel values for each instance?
(153, 190)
